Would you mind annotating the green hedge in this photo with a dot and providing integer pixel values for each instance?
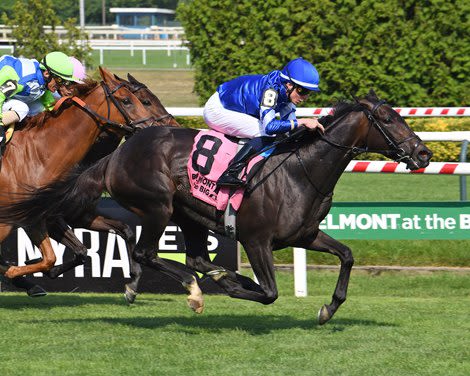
(413, 53)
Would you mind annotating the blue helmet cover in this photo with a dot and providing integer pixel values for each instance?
(302, 73)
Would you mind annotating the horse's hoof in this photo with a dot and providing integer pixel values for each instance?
(324, 315)
(36, 291)
(196, 304)
(129, 295)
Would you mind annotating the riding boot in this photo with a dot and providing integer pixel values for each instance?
(230, 178)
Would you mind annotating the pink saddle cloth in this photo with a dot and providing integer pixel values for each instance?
(209, 158)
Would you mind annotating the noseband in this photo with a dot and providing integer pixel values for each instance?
(401, 154)
(168, 116)
(130, 126)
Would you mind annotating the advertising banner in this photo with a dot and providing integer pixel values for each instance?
(107, 267)
(398, 220)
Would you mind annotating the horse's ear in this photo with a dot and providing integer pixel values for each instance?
(132, 79)
(372, 94)
(117, 77)
(107, 76)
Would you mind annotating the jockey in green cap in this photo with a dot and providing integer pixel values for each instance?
(26, 84)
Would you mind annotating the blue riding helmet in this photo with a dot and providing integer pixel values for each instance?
(302, 73)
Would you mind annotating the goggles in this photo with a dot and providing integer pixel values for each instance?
(302, 91)
(60, 81)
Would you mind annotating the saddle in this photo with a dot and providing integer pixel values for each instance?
(210, 156)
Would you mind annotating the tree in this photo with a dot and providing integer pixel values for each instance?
(32, 38)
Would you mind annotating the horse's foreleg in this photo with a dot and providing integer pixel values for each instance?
(236, 285)
(325, 243)
(40, 238)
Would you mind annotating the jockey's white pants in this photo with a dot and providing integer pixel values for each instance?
(230, 122)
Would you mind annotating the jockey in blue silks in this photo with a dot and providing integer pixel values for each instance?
(246, 107)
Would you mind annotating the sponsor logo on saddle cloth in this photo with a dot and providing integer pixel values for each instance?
(209, 158)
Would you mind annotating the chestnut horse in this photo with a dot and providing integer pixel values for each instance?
(52, 143)
(283, 205)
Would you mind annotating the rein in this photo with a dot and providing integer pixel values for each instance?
(373, 122)
(102, 121)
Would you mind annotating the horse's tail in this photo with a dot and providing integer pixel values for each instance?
(77, 193)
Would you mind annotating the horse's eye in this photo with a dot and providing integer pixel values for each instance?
(126, 101)
(388, 120)
(146, 102)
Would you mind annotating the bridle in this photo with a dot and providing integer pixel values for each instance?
(129, 127)
(401, 155)
(135, 88)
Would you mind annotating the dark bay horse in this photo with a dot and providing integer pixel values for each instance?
(52, 143)
(106, 143)
(283, 205)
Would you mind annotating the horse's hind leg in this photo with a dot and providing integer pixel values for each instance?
(60, 232)
(236, 285)
(100, 223)
(325, 243)
(145, 253)
(40, 238)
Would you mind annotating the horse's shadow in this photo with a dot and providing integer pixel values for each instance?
(254, 324)
(251, 324)
(15, 302)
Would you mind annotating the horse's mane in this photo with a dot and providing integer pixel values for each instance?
(80, 90)
(340, 108)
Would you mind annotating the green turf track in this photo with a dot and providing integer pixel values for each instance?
(392, 324)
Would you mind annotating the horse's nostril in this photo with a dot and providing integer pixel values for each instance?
(424, 155)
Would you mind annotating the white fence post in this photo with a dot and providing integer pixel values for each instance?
(300, 272)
